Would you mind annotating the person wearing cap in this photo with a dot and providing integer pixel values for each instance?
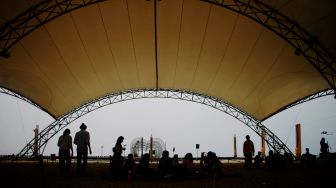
(82, 141)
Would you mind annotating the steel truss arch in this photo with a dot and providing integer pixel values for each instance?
(35, 17)
(16, 95)
(303, 42)
(303, 100)
(46, 134)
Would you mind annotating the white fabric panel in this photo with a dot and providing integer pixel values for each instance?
(109, 47)
(116, 18)
(168, 26)
(194, 19)
(142, 24)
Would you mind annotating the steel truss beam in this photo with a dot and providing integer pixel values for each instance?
(148, 93)
(34, 18)
(303, 42)
(303, 100)
(11, 93)
(45, 135)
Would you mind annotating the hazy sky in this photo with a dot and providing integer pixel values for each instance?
(180, 124)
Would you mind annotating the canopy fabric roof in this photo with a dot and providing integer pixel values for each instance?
(110, 46)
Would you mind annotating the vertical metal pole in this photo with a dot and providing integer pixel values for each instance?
(156, 49)
(151, 147)
(36, 144)
(298, 140)
(234, 146)
(263, 143)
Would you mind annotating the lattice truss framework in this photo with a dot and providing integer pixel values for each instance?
(28, 21)
(63, 121)
(303, 100)
(45, 135)
(11, 93)
(304, 43)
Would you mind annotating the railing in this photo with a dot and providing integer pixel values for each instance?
(103, 159)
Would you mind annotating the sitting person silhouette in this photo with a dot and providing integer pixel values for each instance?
(258, 159)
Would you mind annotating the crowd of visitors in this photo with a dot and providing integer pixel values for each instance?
(171, 168)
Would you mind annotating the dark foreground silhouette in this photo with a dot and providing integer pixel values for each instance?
(30, 174)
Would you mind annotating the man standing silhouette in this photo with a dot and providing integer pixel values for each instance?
(82, 140)
(248, 152)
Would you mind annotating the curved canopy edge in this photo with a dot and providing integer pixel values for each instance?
(303, 100)
(7, 91)
(109, 47)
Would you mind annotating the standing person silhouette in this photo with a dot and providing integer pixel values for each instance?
(65, 147)
(248, 150)
(117, 150)
(324, 150)
(82, 140)
(117, 159)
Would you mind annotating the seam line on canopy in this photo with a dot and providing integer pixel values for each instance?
(85, 51)
(155, 44)
(134, 52)
(178, 46)
(264, 76)
(218, 68)
(202, 48)
(245, 62)
(45, 74)
(65, 64)
(110, 48)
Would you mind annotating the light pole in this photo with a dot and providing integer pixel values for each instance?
(102, 149)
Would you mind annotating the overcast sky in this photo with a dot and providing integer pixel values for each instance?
(178, 123)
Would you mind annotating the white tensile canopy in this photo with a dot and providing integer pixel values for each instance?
(109, 46)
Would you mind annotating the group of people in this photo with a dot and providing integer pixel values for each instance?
(82, 141)
(121, 168)
(248, 151)
(168, 167)
(308, 160)
(276, 160)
